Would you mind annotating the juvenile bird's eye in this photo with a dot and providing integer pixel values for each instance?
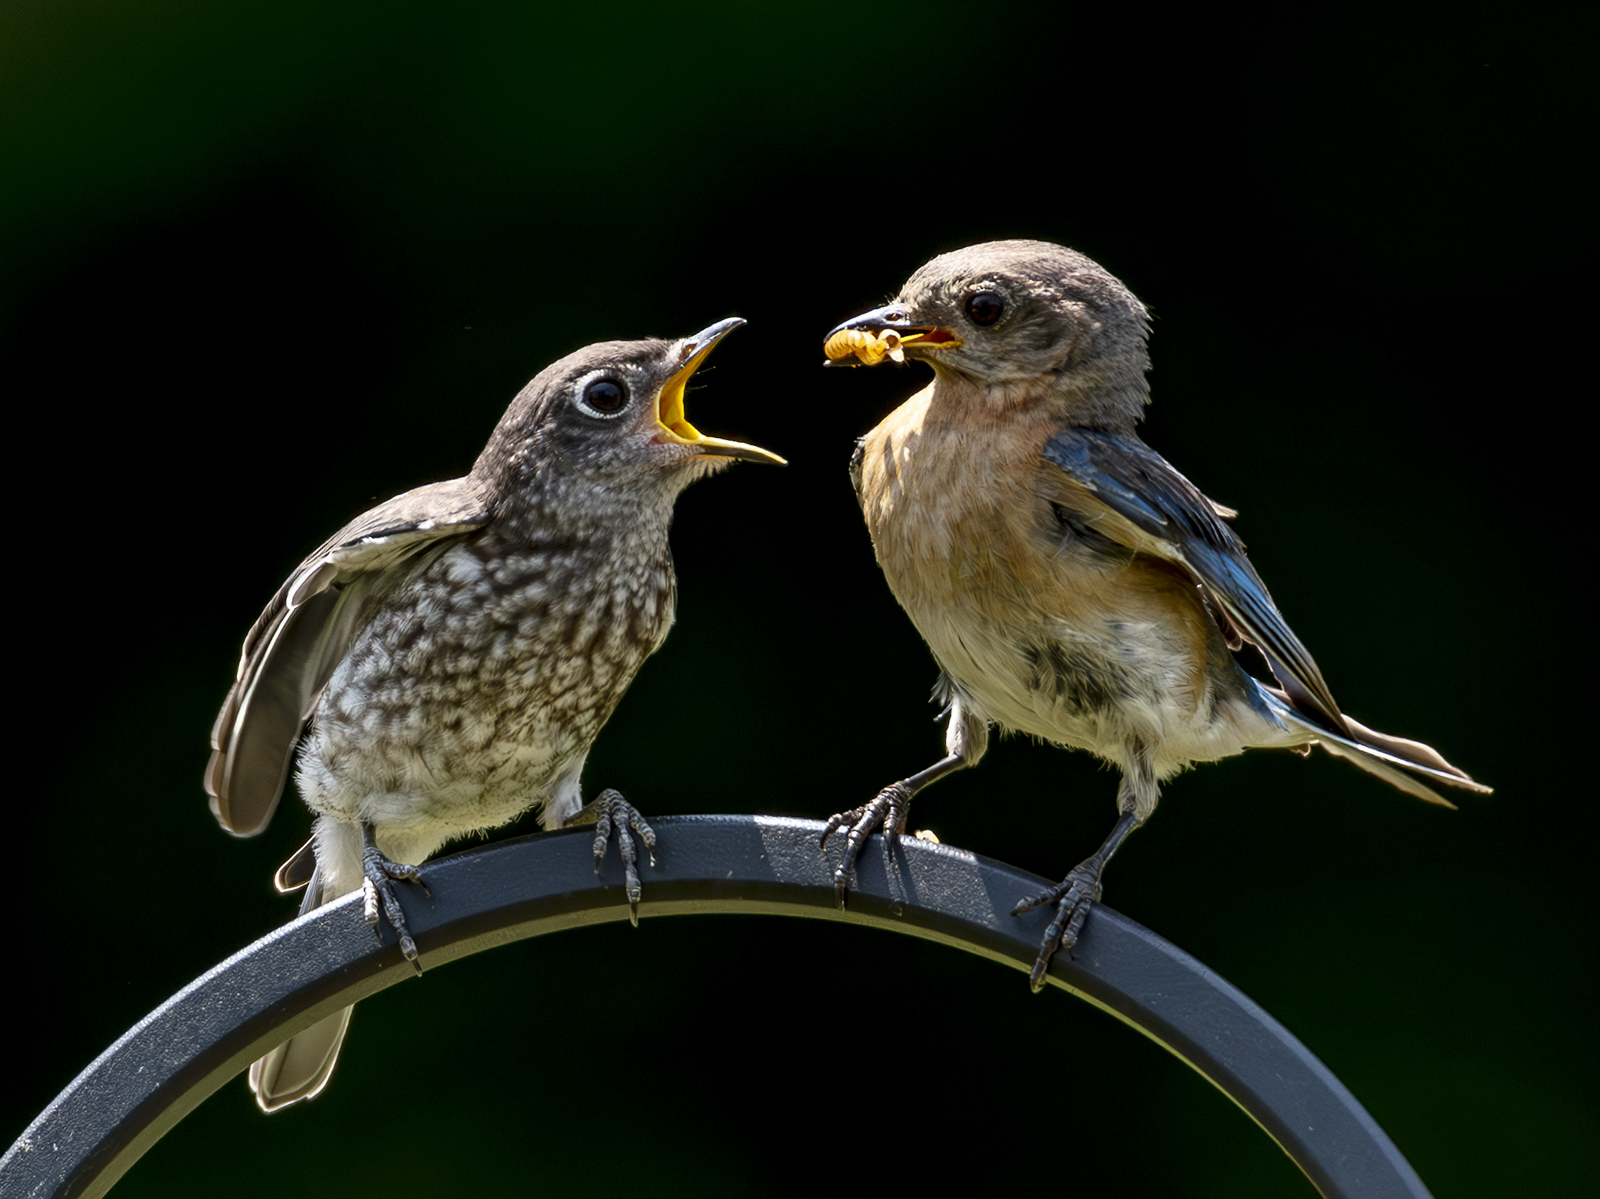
(605, 397)
(985, 307)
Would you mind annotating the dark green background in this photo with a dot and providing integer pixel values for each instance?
(267, 263)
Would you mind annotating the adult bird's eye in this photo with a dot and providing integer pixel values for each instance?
(985, 307)
(605, 397)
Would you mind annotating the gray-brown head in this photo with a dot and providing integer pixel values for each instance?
(1017, 314)
(608, 422)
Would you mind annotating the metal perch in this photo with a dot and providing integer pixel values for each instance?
(215, 1027)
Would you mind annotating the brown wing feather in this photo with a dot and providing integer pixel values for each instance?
(306, 629)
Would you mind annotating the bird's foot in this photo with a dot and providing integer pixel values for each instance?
(608, 809)
(889, 811)
(1072, 900)
(377, 890)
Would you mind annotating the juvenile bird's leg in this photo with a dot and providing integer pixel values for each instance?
(1081, 889)
(606, 808)
(966, 737)
(379, 869)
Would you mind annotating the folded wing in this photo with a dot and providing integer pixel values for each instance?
(1140, 500)
(306, 630)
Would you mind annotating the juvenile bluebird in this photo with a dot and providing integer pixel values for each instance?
(1071, 584)
(456, 649)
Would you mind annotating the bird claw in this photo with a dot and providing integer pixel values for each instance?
(1072, 899)
(889, 811)
(608, 809)
(377, 889)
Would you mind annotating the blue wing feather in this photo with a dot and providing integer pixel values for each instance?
(1142, 487)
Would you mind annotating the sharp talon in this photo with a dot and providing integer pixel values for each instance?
(835, 822)
(1036, 978)
(1072, 899)
(888, 811)
(610, 809)
(377, 891)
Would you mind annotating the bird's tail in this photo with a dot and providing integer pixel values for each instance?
(1399, 762)
(300, 1067)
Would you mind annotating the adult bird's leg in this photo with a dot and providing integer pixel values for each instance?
(377, 888)
(610, 808)
(1073, 898)
(966, 737)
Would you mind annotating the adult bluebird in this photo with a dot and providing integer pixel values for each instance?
(456, 649)
(1071, 584)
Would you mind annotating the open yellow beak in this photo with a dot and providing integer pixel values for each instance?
(670, 420)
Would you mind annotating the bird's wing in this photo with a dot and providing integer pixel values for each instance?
(305, 631)
(1164, 514)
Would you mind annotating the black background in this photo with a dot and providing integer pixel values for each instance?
(267, 264)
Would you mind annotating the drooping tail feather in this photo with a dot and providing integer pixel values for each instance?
(300, 1067)
(1399, 762)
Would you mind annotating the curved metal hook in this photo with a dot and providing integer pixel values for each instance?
(215, 1027)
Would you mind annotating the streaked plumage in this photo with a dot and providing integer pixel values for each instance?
(456, 650)
(1071, 584)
